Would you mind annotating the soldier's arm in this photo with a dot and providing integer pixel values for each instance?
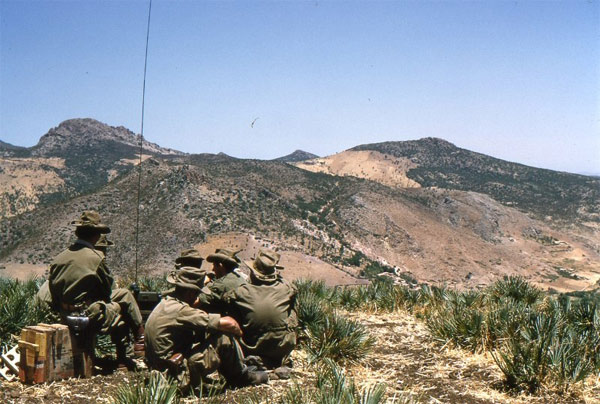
(198, 320)
(105, 280)
(228, 325)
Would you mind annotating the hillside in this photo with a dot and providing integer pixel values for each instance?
(76, 157)
(553, 196)
(333, 227)
(438, 236)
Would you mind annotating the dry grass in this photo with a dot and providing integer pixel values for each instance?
(405, 358)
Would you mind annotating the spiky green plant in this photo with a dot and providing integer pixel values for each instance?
(311, 309)
(19, 308)
(460, 326)
(155, 390)
(516, 288)
(524, 360)
(338, 339)
(334, 386)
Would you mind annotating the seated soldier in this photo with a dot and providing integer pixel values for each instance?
(226, 278)
(189, 258)
(189, 343)
(80, 284)
(265, 308)
(43, 295)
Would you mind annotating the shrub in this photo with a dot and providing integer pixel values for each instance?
(156, 390)
(338, 339)
(18, 308)
(516, 288)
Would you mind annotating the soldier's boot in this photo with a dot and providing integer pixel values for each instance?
(282, 373)
(248, 377)
(255, 377)
(138, 344)
(125, 360)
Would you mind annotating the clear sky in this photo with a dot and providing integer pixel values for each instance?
(518, 80)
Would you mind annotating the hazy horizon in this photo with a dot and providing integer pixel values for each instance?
(517, 81)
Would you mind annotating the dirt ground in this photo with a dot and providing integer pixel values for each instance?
(404, 358)
(296, 264)
(22, 271)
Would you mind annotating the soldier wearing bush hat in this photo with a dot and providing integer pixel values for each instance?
(43, 295)
(189, 258)
(80, 283)
(264, 267)
(227, 278)
(265, 309)
(205, 342)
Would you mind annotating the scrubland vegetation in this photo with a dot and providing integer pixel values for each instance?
(538, 341)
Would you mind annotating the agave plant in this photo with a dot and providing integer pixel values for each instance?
(334, 387)
(338, 339)
(155, 390)
(460, 326)
(19, 308)
(516, 288)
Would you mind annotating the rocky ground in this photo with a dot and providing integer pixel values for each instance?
(413, 368)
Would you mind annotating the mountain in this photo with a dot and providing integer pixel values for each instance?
(555, 197)
(78, 156)
(7, 148)
(438, 236)
(298, 155)
(326, 224)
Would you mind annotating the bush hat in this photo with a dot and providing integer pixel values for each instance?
(104, 242)
(224, 256)
(91, 220)
(189, 278)
(190, 257)
(264, 267)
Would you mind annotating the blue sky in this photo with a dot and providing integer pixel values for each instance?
(516, 80)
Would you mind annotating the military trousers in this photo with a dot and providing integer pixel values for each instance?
(273, 347)
(120, 318)
(218, 353)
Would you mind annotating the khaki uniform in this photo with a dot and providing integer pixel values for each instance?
(176, 327)
(79, 281)
(43, 295)
(213, 303)
(266, 312)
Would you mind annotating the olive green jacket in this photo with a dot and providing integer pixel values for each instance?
(213, 303)
(173, 327)
(79, 275)
(267, 315)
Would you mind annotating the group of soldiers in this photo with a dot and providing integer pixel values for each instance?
(220, 320)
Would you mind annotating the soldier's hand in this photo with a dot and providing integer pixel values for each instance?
(230, 326)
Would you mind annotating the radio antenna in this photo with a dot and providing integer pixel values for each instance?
(139, 185)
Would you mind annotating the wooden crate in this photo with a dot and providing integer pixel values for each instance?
(47, 354)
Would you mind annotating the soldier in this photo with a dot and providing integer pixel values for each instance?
(265, 308)
(225, 263)
(189, 258)
(189, 343)
(43, 295)
(81, 284)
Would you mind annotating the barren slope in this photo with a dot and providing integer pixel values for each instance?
(371, 165)
(439, 236)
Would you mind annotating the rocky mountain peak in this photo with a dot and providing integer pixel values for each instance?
(90, 133)
(298, 155)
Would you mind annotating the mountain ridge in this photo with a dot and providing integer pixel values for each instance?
(359, 225)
